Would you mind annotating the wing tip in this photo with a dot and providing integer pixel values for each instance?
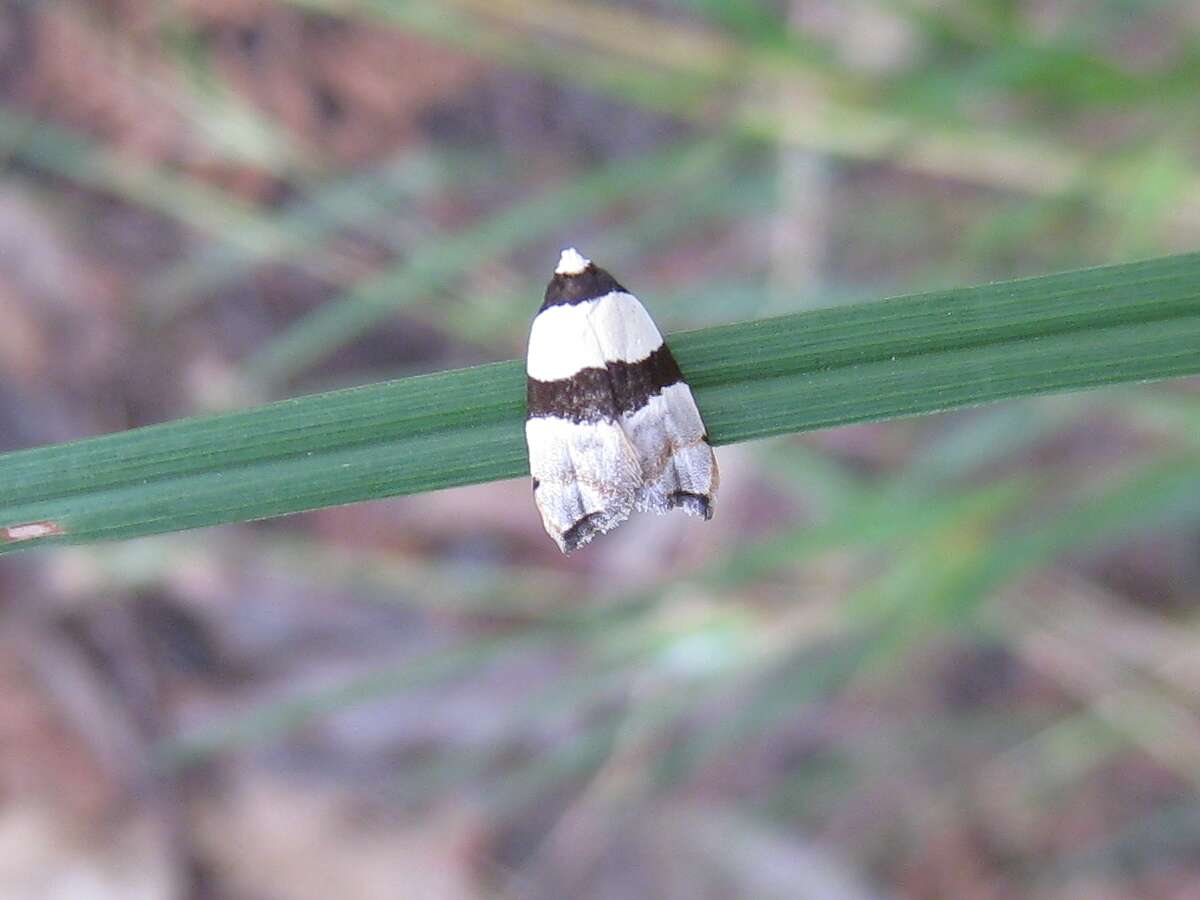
(588, 527)
(699, 505)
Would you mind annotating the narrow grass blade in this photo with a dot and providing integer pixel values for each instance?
(54, 149)
(305, 229)
(678, 69)
(910, 355)
(435, 264)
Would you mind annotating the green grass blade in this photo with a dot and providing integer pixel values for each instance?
(910, 355)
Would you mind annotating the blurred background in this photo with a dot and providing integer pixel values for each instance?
(947, 657)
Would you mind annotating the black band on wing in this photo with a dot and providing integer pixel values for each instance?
(633, 384)
(593, 395)
(699, 504)
(586, 396)
(567, 290)
(581, 532)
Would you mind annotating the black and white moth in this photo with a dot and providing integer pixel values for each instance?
(611, 424)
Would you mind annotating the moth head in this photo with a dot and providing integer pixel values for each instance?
(572, 262)
(577, 279)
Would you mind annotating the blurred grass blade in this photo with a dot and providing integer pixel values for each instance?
(431, 267)
(306, 227)
(905, 356)
(57, 150)
(701, 75)
(277, 718)
(696, 199)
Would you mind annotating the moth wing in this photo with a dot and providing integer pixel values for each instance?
(585, 478)
(657, 410)
(624, 331)
(586, 474)
(679, 468)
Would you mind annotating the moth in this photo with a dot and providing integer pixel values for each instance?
(611, 425)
